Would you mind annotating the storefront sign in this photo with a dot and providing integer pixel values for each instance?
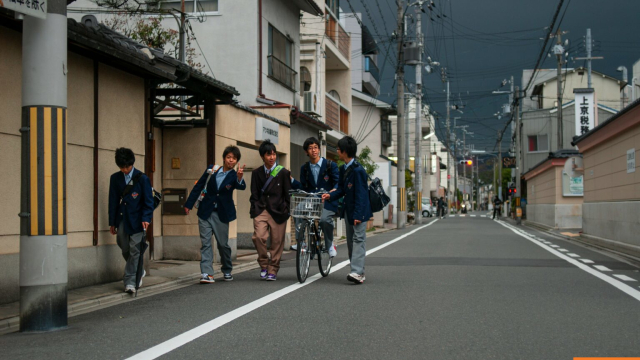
(35, 8)
(585, 110)
(434, 164)
(576, 186)
(631, 161)
(266, 129)
(509, 162)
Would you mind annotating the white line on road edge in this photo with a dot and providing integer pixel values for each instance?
(601, 267)
(616, 283)
(186, 337)
(625, 277)
(587, 261)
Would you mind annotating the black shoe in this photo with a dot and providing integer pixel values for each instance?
(228, 277)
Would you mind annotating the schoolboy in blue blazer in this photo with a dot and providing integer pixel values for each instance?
(216, 210)
(315, 175)
(129, 216)
(354, 188)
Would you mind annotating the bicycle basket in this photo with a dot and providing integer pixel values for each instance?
(306, 206)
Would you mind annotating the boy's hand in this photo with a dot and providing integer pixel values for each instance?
(240, 173)
(113, 230)
(186, 211)
(356, 222)
(145, 225)
(325, 197)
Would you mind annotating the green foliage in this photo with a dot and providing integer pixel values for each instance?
(365, 160)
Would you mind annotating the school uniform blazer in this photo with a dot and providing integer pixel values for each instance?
(355, 190)
(136, 206)
(275, 199)
(327, 180)
(223, 196)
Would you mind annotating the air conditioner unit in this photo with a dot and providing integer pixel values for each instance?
(311, 103)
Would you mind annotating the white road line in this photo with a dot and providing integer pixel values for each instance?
(563, 250)
(625, 278)
(555, 246)
(483, 216)
(573, 255)
(587, 261)
(615, 283)
(472, 215)
(186, 337)
(601, 267)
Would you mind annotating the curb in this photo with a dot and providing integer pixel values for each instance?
(10, 325)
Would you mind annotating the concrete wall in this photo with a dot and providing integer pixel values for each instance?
(547, 206)
(121, 123)
(607, 89)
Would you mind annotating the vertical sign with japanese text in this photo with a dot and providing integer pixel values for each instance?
(585, 110)
(35, 8)
(631, 161)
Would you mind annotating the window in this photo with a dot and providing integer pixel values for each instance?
(281, 58)
(206, 6)
(334, 94)
(334, 6)
(538, 143)
(305, 79)
(385, 126)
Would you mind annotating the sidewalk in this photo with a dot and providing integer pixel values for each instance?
(165, 275)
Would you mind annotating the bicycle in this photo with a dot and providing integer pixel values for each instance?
(308, 207)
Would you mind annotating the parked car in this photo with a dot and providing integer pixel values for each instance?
(428, 208)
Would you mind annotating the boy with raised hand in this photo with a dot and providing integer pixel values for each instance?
(354, 188)
(270, 185)
(213, 194)
(130, 212)
(315, 175)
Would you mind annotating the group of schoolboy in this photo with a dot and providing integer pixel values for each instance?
(131, 213)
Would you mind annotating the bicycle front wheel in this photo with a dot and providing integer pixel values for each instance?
(303, 253)
(324, 260)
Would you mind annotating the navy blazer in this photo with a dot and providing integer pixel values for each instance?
(355, 190)
(136, 206)
(223, 197)
(327, 180)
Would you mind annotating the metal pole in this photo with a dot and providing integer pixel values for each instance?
(401, 195)
(448, 146)
(418, 156)
(518, 151)
(43, 220)
(589, 45)
(407, 136)
(559, 57)
(500, 165)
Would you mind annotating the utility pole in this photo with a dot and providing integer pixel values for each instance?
(519, 166)
(401, 195)
(589, 46)
(500, 165)
(407, 136)
(43, 211)
(559, 51)
(444, 78)
(418, 156)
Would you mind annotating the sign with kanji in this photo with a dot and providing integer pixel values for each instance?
(585, 110)
(509, 162)
(35, 8)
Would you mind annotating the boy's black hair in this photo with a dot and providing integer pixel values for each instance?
(310, 141)
(124, 157)
(348, 144)
(266, 147)
(231, 149)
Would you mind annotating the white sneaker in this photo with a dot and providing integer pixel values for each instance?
(356, 278)
(333, 250)
(130, 289)
(144, 273)
(294, 247)
(207, 279)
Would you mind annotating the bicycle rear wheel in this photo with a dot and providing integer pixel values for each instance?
(303, 253)
(324, 260)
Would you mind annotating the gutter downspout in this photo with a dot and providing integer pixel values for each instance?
(318, 77)
(260, 94)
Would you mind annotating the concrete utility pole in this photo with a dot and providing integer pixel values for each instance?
(401, 195)
(418, 156)
(589, 47)
(500, 165)
(407, 136)
(43, 211)
(518, 150)
(559, 50)
(444, 78)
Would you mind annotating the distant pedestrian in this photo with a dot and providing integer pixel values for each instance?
(270, 185)
(352, 185)
(213, 194)
(497, 207)
(441, 207)
(130, 212)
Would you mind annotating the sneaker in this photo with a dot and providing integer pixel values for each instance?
(294, 247)
(271, 277)
(356, 278)
(144, 273)
(207, 279)
(228, 277)
(263, 274)
(130, 289)
(333, 250)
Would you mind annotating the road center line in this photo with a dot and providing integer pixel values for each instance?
(616, 283)
(186, 337)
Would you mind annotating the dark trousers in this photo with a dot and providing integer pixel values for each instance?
(497, 209)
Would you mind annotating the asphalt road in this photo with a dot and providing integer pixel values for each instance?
(459, 288)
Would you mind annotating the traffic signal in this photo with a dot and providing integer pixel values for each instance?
(469, 162)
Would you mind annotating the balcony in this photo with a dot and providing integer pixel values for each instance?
(339, 46)
(371, 76)
(282, 73)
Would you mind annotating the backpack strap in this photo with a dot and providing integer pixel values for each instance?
(130, 185)
(273, 174)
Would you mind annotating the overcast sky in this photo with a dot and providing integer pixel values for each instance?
(483, 42)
